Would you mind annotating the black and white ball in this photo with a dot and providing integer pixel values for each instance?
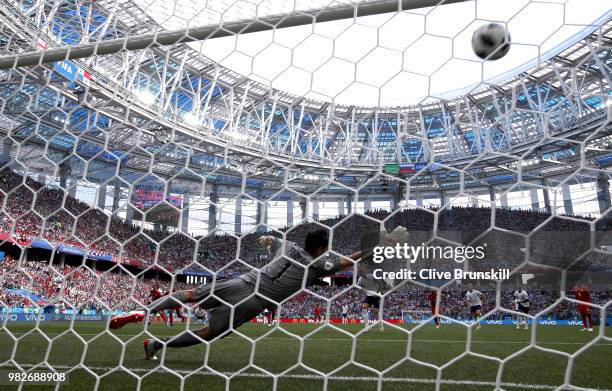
(491, 41)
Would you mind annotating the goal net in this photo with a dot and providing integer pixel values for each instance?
(148, 146)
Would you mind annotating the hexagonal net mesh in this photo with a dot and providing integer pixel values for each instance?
(314, 195)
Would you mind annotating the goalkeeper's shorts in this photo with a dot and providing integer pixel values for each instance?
(226, 297)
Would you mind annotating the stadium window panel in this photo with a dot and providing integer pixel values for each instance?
(296, 211)
(460, 201)
(86, 193)
(431, 202)
(198, 218)
(556, 200)
(360, 207)
(519, 200)
(411, 203)
(108, 201)
(249, 216)
(584, 199)
(384, 205)
(227, 213)
(541, 199)
(328, 209)
(484, 199)
(121, 211)
(277, 214)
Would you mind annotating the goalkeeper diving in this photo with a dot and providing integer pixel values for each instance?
(250, 293)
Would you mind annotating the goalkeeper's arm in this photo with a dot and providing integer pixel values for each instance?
(344, 262)
(348, 262)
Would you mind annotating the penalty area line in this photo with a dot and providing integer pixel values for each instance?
(414, 380)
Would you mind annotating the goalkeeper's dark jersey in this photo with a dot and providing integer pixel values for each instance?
(290, 271)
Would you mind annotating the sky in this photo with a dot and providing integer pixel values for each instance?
(387, 60)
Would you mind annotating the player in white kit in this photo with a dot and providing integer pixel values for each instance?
(521, 304)
(474, 300)
(371, 301)
(344, 314)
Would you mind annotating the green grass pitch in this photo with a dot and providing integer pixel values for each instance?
(325, 350)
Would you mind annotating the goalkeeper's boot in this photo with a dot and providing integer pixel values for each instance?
(590, 329)
(149, 349)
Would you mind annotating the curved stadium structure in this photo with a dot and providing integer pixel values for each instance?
(139, 153)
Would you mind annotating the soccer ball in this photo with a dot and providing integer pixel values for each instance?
(491, 41)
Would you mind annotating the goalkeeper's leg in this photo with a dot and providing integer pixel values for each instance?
(158, 306)
(209, 296)
(218, 325)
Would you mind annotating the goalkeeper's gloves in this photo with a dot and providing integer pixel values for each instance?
(398, 235)
(265, 240)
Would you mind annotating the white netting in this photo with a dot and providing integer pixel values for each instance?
(139, 155)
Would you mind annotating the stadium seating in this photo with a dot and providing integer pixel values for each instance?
(35, 211)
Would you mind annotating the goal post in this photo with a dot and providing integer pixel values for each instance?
(224, 29)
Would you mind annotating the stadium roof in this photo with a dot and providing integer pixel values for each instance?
(391, 59)
(222, 125)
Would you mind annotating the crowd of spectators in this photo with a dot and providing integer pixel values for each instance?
(80, 288)
(49, 213)
(34, 211)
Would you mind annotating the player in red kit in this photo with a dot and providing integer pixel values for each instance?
(179, 314)
(582, 294)
(121, 320)
(435, 310)
(317, 314)
(268, 314)
(156, 293)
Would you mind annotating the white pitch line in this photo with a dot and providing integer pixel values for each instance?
(415, 380)
(366, 340)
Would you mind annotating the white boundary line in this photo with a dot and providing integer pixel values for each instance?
(414, 380)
